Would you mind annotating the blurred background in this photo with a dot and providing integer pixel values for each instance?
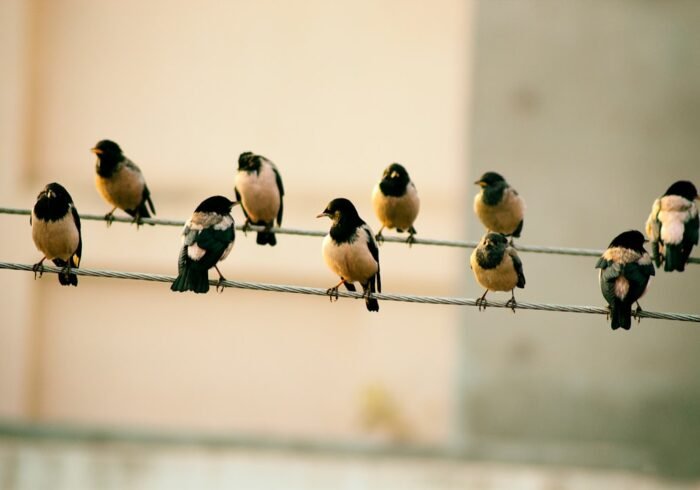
(590, 109)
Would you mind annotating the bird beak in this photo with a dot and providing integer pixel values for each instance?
(323, 214)
(96, 151)
(234, 203)
(50, 194)
(479, 182)
(394, 174)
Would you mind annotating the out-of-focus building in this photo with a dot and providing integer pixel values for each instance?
(590, 109)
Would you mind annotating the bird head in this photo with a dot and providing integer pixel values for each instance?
(494, 241)
(395, 173)
(54, 190)
(632, 239)
(490, 179)
(107, 150)
(340, 209)
(216, 204)
(249, 161)
(683, 188)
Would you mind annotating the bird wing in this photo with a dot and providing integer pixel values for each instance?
(638, 277)
(78, 251)
(374, 250)
(147, 198)
(131, 165)
(215, 242)
(280, 188)
(238, 198)
(518, 265)
(653, 225)
(609, 271)
(692, 230)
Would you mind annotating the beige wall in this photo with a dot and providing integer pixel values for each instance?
(332, 92)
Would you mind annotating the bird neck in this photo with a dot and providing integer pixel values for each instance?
(51, 209)
(393, 187)
(107, 164)
(489, 258)
(493, 194)
(345, 230)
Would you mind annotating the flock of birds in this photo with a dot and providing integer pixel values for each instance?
(350, 249)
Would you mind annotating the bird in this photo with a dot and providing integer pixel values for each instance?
(121, 183)
(625, 270)
(673, 226)
(56, 232)
(499, 207)
(350, 251)
(497, 267)
(396, 202)
(259, 189)
(207, 239)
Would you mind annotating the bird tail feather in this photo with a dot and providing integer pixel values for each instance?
(621, 315)
(266, 238)
(674, 259)
(191, 279)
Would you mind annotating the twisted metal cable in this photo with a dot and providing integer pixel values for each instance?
(587, 252)
(406, 298)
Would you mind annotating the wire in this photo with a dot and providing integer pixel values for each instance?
(586, 252)
(406, 298)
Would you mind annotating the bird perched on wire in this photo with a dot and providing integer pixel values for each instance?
(395, 201)
(207, 239)
(497, 267)
(259, 189)
(350, 251)
(625, 270)
(56, 232)
(499, 207)
(121, 183)
(673, 226)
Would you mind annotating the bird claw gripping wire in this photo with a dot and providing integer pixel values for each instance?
(379, 238)
(636, 313)
(511, 303)
(332, 293)
(246, 227)
(220, 283)
(38, 268)
(411, 239)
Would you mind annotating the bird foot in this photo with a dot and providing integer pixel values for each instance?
(636, 313)
(109, 218)
(220, 285)
(410, 240)
(332, 293)
(246, 227)
(137, 219)
(38, 268)
(512, 304)
(379, 238)
(482, 303)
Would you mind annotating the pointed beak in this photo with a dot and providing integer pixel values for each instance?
(323, 214)
(479, 182)
(234, 203)
(394, 174)
(50, 194)
(96, 151)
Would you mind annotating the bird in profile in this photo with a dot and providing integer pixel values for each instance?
(673, 226)
(499, 207)
(497, 267)
(625, 270)
(395, 201)
(56, 232)
(351, 252)
(207, 239)
(259, 189)
(120, 182)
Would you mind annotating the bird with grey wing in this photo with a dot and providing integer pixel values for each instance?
(497, 267)
(498, 206)
(260, 191)
(396, 203)
(56, 232)
(207, 239)
(673, 226)
(625, 270)
(121, 183)
(350, 251)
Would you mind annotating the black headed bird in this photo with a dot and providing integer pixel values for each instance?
(56, 232)
(350, 251)
(259, 189)
(206, 240)
(498, 205)
(673, 226)
(396, 202)
(497, 267)
(121, 183)
(625, 269)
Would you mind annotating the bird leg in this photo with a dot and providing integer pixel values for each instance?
(109, 217)
(246, 227)
(333, 292)
(39, 267)
(511, 302)
(219, 284)
(481, 302)
(411, 239)
(379, 237)
(137, 220)
(636, 312)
